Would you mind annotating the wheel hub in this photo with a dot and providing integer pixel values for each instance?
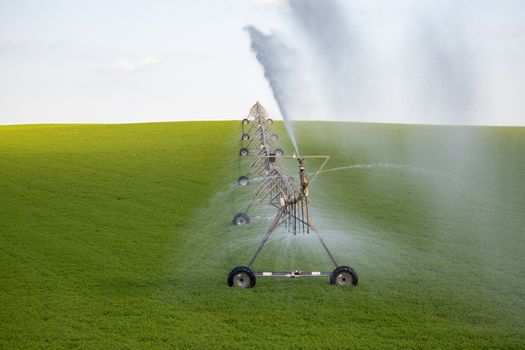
(240, 221)
(344, 278)
(242, 279)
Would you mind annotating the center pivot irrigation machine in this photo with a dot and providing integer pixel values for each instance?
(280, 191)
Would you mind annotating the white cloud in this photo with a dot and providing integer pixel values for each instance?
(501, 30)
(125, 65)
(32, 44)
(15, 44)
(370, 9)
(270, 3)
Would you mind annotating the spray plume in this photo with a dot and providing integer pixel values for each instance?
(425, 64)
(272, 54)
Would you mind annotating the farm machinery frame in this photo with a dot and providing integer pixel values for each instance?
(281, 191)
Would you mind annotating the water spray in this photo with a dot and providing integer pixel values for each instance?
(290, 200)
(268, 49)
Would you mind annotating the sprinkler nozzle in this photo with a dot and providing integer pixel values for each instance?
(303, 177)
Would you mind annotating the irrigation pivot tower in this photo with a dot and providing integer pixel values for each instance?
(281, 191)
(261, 144)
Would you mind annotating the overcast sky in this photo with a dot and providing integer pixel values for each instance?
(128, 61)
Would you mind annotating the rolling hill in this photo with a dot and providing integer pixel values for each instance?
(120, 236)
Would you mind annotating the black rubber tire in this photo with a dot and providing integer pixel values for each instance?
(344, 275)
(243, 152)
(275, 137)
(270, 121)
(241, 219)
(245, 137)
(245, 121)
(279, 152)
(243, 180)
(242, 277)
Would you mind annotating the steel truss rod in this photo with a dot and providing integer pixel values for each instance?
(273, 226)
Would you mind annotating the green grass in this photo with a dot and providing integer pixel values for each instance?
(119, 236)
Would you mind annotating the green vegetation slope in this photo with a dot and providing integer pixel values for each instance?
(119, 236)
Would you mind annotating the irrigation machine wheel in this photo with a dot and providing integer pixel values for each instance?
(245, 121)
(245, 137)
(242, 277)
(270, 121)
(343, 276)
(243, 152)
(241, 219)
(275, 137)
(279, 152)
(243, 181)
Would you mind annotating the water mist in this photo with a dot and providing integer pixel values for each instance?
(277, 60)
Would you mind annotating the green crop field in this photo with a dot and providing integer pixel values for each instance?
(120, 236)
